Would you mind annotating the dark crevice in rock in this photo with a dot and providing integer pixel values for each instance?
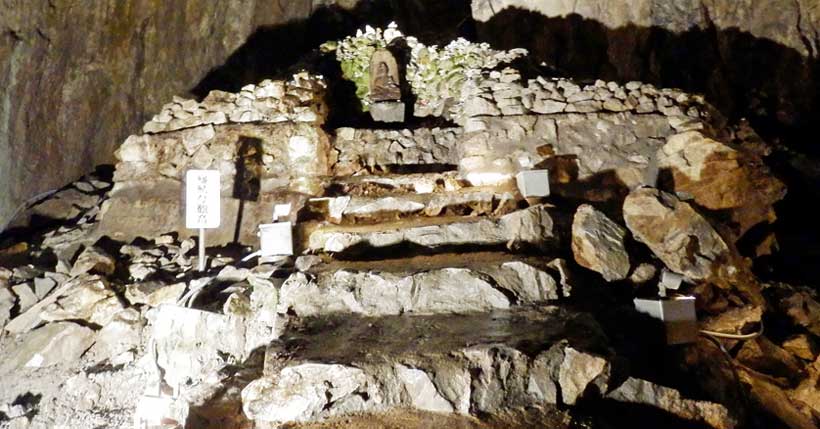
(608, 414)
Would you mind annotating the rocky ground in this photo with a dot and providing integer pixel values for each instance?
(426, 290)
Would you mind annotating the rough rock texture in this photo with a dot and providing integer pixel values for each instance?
(255, 160)
(269, 101)
(579, 370)
(449, 290)
(721, 178)
(51, 344)
(504, 94)
(601, 147)
(382, 149)
(192, 343)
(598, 243)
(643, 392)
(749, 57)
(472, 365)
(532, 226)
(77, 78)
(89, 298)
(675, 232)
(372, 209)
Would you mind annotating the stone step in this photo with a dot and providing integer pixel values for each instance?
(391, 184)
(374, 209)
(477, 364)
(480, 363)
(532, 226)
(379, 149)
(432, 285)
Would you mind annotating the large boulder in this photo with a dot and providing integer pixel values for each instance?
(89, 298)
(721, 178)
(55, 343)
(580, 370)
(598, 243)
(191, 344)
(636, 391)
(463, 364)
(675, 232)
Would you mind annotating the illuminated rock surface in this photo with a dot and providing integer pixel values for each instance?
(423, 288)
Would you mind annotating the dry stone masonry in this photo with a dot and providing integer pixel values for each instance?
(423, 284)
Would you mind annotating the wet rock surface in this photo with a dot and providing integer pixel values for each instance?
(424, 288)
(430, 363)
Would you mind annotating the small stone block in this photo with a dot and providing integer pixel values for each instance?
(677, 314)
(387, 111)
(276, 238)
(533, 183)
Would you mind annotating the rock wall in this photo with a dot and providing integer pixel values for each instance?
(77, 77)
(265, 140)
(753, 58)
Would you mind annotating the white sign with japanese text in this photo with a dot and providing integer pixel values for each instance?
(202, 207)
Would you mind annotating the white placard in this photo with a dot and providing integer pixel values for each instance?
(202, 208)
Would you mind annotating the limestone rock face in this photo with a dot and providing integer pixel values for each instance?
(254, 160)
(98, 71)
(643, 392)
(721, 178)
(531, 226)
(675, 232)
(90, 299)
(302, 392)
(464, 370)
(448, 290)
(761, 52)
(193, 343)
(52, 344)
(598, 243)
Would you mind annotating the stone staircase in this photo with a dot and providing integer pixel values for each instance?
(424, 290)
(423, 280)
(430, 296)
(427, 294)
(477, 363)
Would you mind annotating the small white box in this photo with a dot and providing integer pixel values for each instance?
(276, 238)
(533, 183)
(281, 211)
(677, 314)
(669, 281)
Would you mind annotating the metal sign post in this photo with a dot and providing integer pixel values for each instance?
(201, 249)
(202, 208)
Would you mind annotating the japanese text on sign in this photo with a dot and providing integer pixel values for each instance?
(202, 199)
